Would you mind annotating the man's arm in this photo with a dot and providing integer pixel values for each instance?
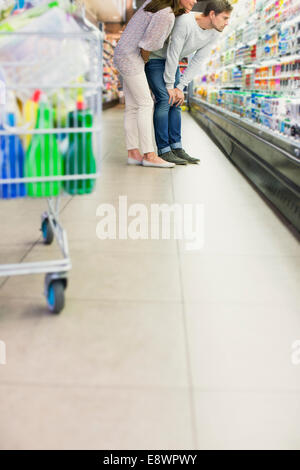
(195, 65)
(176, 44)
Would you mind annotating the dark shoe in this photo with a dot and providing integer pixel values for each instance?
(172, 158)
(180, 153)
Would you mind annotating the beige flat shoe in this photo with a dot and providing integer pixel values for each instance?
(159, 164)
(133, 161)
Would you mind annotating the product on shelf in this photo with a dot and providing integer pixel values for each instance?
(254, 71)
(111, 82)
(183, 64)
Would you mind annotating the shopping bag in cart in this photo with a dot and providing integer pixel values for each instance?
(60, 41)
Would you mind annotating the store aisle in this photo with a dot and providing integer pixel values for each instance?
(158, 347)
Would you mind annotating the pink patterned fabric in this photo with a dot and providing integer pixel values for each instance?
(145, 30)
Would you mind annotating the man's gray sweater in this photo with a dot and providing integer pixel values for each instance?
(186, 38)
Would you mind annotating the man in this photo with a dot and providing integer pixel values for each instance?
(190, 35)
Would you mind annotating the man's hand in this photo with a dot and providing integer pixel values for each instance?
(179, 97)
(172, 96)
(176, 97)
(145, 55)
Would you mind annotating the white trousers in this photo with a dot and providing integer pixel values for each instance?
(138, 113)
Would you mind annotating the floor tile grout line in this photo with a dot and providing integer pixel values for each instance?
(116, 387)
(122, 251)
(254, 303)
(147, 387)
(83, 299)
(188, 361)
(268, 304)
(187, 348)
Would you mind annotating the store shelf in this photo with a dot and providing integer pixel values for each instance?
(110, 75)
(110, 104)
(287, 144)
(271, 162)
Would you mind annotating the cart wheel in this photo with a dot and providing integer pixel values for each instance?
(47, 232)
(56, 296)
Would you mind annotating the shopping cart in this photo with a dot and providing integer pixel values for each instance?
(50, 132)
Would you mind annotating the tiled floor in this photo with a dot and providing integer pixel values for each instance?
(158, 347)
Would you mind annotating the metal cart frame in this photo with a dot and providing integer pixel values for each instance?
(56, 271)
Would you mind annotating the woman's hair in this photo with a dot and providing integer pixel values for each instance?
(155, 5)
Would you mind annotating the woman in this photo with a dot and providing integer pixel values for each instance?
(194, 36)
(146, 31)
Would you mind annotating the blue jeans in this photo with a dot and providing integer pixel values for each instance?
(167, 118)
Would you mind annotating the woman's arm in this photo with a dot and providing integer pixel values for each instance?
(145, 55)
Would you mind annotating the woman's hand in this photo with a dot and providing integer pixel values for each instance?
(145, 55)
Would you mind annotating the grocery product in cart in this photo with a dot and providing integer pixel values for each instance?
(14, 22)
(43, 157)
(6, 6)
(30, 115)
(11, 155)
(79, 158)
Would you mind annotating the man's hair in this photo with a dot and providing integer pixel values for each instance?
(218, 6)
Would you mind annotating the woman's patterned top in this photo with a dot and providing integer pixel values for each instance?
(146, 31)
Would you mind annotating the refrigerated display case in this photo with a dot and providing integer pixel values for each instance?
(247, 97)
